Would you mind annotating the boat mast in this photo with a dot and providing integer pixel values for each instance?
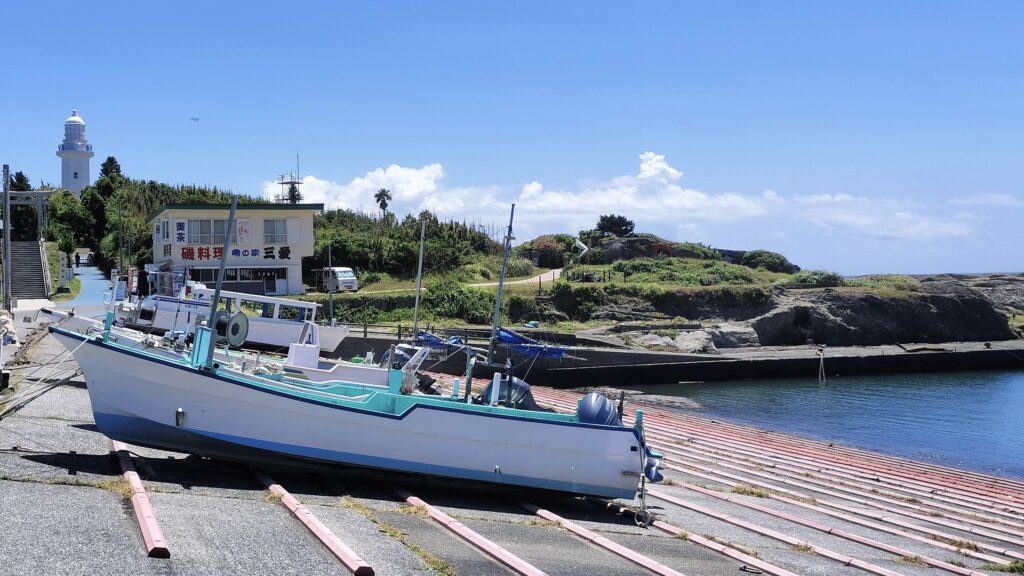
(501, 282)
(212, 322)
(419, 285)
(330, 266)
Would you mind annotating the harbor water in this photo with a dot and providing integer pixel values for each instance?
(970, 420)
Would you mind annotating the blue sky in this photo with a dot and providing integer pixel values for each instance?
(855, 136)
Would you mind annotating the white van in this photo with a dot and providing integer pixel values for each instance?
(337, 279)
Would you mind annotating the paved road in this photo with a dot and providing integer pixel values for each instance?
(94, 284)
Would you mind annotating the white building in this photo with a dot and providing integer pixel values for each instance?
(265, 256)
(74, 153)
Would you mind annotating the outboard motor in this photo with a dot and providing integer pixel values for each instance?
(651, 467)
(595, 408)
(520, 397)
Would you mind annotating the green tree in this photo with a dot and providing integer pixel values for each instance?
(68, 222)
(20, 182)
(294, 196)
(618, 226)
(110, 167)
(24, 220)
(383, 196)
(96, 206)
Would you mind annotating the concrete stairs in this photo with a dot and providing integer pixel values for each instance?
(27, 271)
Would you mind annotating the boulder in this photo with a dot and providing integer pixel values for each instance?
(689, 341)
(695, 342)
(733, 335)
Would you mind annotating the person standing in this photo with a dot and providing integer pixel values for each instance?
(78, 259)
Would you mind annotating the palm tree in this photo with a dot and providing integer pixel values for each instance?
(383, 196)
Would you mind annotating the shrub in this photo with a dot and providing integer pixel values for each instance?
(561, 288)
(451, 299)
(771, 261)
(490, 267)
(696, 250)
(818, 279)
(635, 266)
(521, 307)
(593, 256)
(518, 267)
(897, 282)
(367, 278)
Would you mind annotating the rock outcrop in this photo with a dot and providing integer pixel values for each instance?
(943, 311)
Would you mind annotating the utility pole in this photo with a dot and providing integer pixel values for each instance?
(330, 266)
(120, 241)
(419, 285)
(7, 238)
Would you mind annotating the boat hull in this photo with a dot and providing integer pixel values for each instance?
(178, 407)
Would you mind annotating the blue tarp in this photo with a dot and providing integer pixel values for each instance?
(424, 338)
(529, 346)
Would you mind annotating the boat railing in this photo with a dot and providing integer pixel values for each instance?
(207, 293)
(409, 379)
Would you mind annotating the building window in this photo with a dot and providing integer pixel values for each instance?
(208, 232)
(205, 275)
(76, 176)
(167, 230)
(218, 232)
(200, 232)
(275, 231)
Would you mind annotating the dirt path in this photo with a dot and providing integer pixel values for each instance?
(550, 276)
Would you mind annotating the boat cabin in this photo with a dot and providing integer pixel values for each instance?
(261, 306)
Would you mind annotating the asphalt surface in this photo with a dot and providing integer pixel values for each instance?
(62, 511)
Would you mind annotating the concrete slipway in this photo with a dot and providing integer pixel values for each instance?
(738, 500)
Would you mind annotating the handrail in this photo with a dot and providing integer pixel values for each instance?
(47, 283)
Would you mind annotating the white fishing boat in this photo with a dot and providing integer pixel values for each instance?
(153, 392)
(273, 322)
(190, 402)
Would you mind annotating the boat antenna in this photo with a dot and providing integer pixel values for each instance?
(419, 285)
(501, 282)
(229, 228)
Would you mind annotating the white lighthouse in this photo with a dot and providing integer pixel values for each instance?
(74, 153)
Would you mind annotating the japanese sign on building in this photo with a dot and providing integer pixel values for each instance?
(242, 228)
(180, 231)
(192, 253)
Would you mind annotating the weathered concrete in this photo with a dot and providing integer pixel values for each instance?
(63, 517)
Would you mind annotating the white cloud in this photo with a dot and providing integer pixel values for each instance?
(886, 220)
(654, 198)
(406, 185)
(654, 166)
(826, 199)
(1004, 200)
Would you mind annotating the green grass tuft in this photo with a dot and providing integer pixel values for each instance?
(1014, 567)
(748, 490)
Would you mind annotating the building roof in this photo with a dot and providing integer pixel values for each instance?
(225, 207)
(75, 118)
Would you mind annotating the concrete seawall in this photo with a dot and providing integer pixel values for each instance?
(609, 367)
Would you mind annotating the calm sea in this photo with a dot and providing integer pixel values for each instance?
(971, 420)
